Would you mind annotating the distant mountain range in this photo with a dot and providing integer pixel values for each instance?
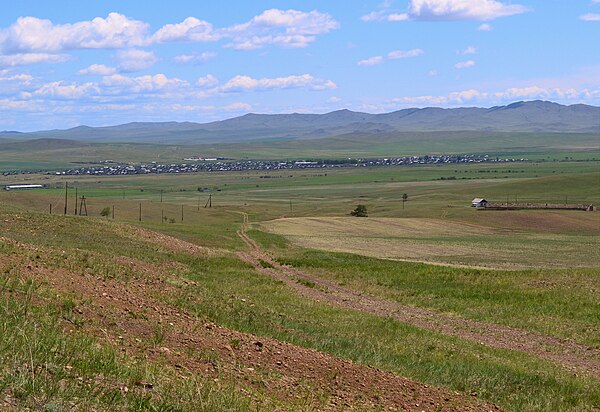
(532, 116)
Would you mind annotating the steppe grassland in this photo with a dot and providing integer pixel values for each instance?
(556, 302)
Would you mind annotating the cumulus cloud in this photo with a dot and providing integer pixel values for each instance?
(207, 81)
(98, 70)
(63, 90)
(144, 84)
(465, 64)
(31, 40)
(195, 58)
(444, 10)
(590, 17)
(247, 83)
(402, 54)
(371, 61)
(189, 30)
(286, 28)
(34, 35)
(134, 60)
(25, 59)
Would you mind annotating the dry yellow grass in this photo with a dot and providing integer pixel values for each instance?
(439, 241)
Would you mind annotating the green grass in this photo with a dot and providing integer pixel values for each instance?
(558, 302)
(235, 296)
(562, 303)
(43, 367)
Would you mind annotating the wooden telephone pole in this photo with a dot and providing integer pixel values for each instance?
(66, 196)
(82, 207)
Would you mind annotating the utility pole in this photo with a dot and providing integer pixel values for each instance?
(162, 216)
(50, 208)
(140, 218)
(113, 212)
(209, 201)
(76, 201)
(161, 193)
(66, 196)
(182, 213)
(83, 207)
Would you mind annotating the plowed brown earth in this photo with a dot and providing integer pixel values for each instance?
(127, 313)
(568, 354)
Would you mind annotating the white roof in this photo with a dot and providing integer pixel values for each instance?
(478, 200)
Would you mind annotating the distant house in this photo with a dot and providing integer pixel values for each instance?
(479, 203)
(20, 187)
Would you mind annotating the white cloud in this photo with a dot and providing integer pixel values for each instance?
(432, 73)
(207, 81)
(64, 91)
(465, 64)
(469, 50)
(431, 10)
(371, 61)
(444, 10)
(590, 17)
(189, 30)
(195, 58)
(472, 96)
(134, 60)
(238, 106)
(20, 77)
(485, 27)
(24, 59)
(31, 34)
(333, 99)
(401, 54)
(247, 83)
(286, 28)
(395, 54)
(144, 84)
(98, 70)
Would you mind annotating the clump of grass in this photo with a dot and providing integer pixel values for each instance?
(307, 283)
(265, 264)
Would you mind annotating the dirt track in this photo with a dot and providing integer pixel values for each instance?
(569, 354)
(126, 314)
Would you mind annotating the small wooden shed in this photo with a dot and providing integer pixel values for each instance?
(479, 203)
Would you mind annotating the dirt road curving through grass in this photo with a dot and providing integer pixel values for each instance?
(568, 354)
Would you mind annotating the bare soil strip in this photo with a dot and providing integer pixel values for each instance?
(569, 354)
(128, 314)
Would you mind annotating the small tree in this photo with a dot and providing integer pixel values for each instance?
(404, 199)
(105, 212)
(360, 211)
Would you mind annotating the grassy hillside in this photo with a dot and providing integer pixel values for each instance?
(94, 305)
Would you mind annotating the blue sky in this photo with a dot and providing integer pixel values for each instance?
(65, 63)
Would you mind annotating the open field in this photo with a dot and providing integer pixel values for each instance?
(518, 335)
(447, 242)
